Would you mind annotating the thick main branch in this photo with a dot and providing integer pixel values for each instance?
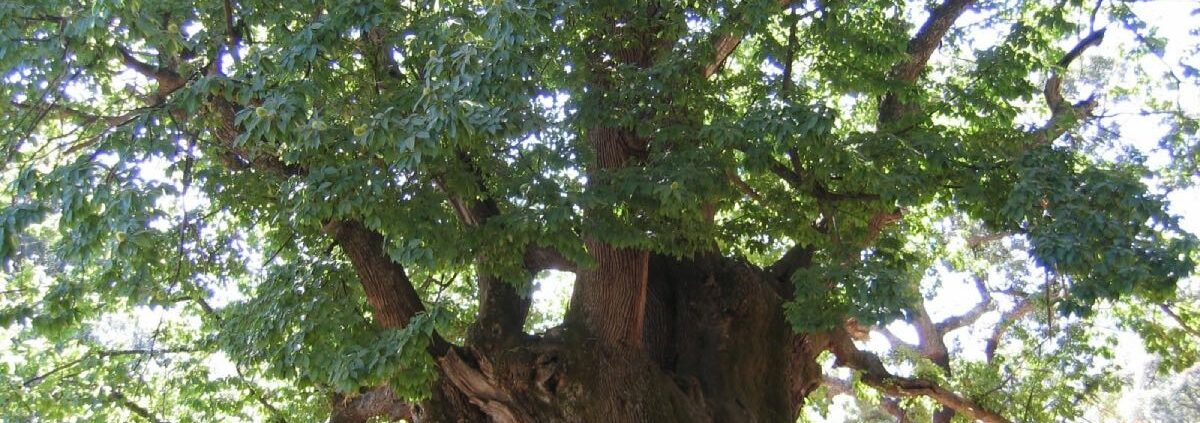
(920, 48)
(385, 282)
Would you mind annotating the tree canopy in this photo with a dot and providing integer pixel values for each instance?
(261, 210)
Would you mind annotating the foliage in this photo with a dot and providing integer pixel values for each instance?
(1053, 377)
(183, 159)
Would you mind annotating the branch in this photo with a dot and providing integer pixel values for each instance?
(133, 407)
(259, 396)
(1053, 90)
(1178, 319)
(239, 157)
(892, 406)
(932, 343)
(798, 257)
(920, 49)
(965, 319)
(102, 354)
(232, 33)
(1023, 307)
(379, 401)
(168, 81)
(728, 40)
(823, 193)
(794, 179)
(928, 38)
(1064, 116)
(539, 258)
(472, 213)
(386, 284)
(788, 175)
(837, 386)
(742, 186)
(82, 120)
(791, 55)
(234, 157)
(876, 375)
(86, 118)
(985, 305)
(893, 339)
(880, 221)
(978, 240)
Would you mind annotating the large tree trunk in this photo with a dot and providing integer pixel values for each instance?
(715, 347)
(647, 338)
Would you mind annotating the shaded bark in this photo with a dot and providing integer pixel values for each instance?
(502, 313)
(714, 347)
(375, 402)
(719, 325)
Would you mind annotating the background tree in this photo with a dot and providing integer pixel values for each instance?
(1008, 350)
(319, 208)
(1178, 400)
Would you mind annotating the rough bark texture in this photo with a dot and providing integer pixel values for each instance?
(611, 298)
(385, 283)
(714, 347)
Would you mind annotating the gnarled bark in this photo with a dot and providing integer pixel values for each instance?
(714, 347)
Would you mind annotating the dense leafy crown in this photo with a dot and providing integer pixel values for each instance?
(181, 159)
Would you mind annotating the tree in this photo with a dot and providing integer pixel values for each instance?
(346, 204)
(1008, 350)
(1177, 401)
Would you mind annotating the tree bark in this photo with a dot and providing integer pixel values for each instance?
(714, 346)
(385, 282)
(610, 299)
